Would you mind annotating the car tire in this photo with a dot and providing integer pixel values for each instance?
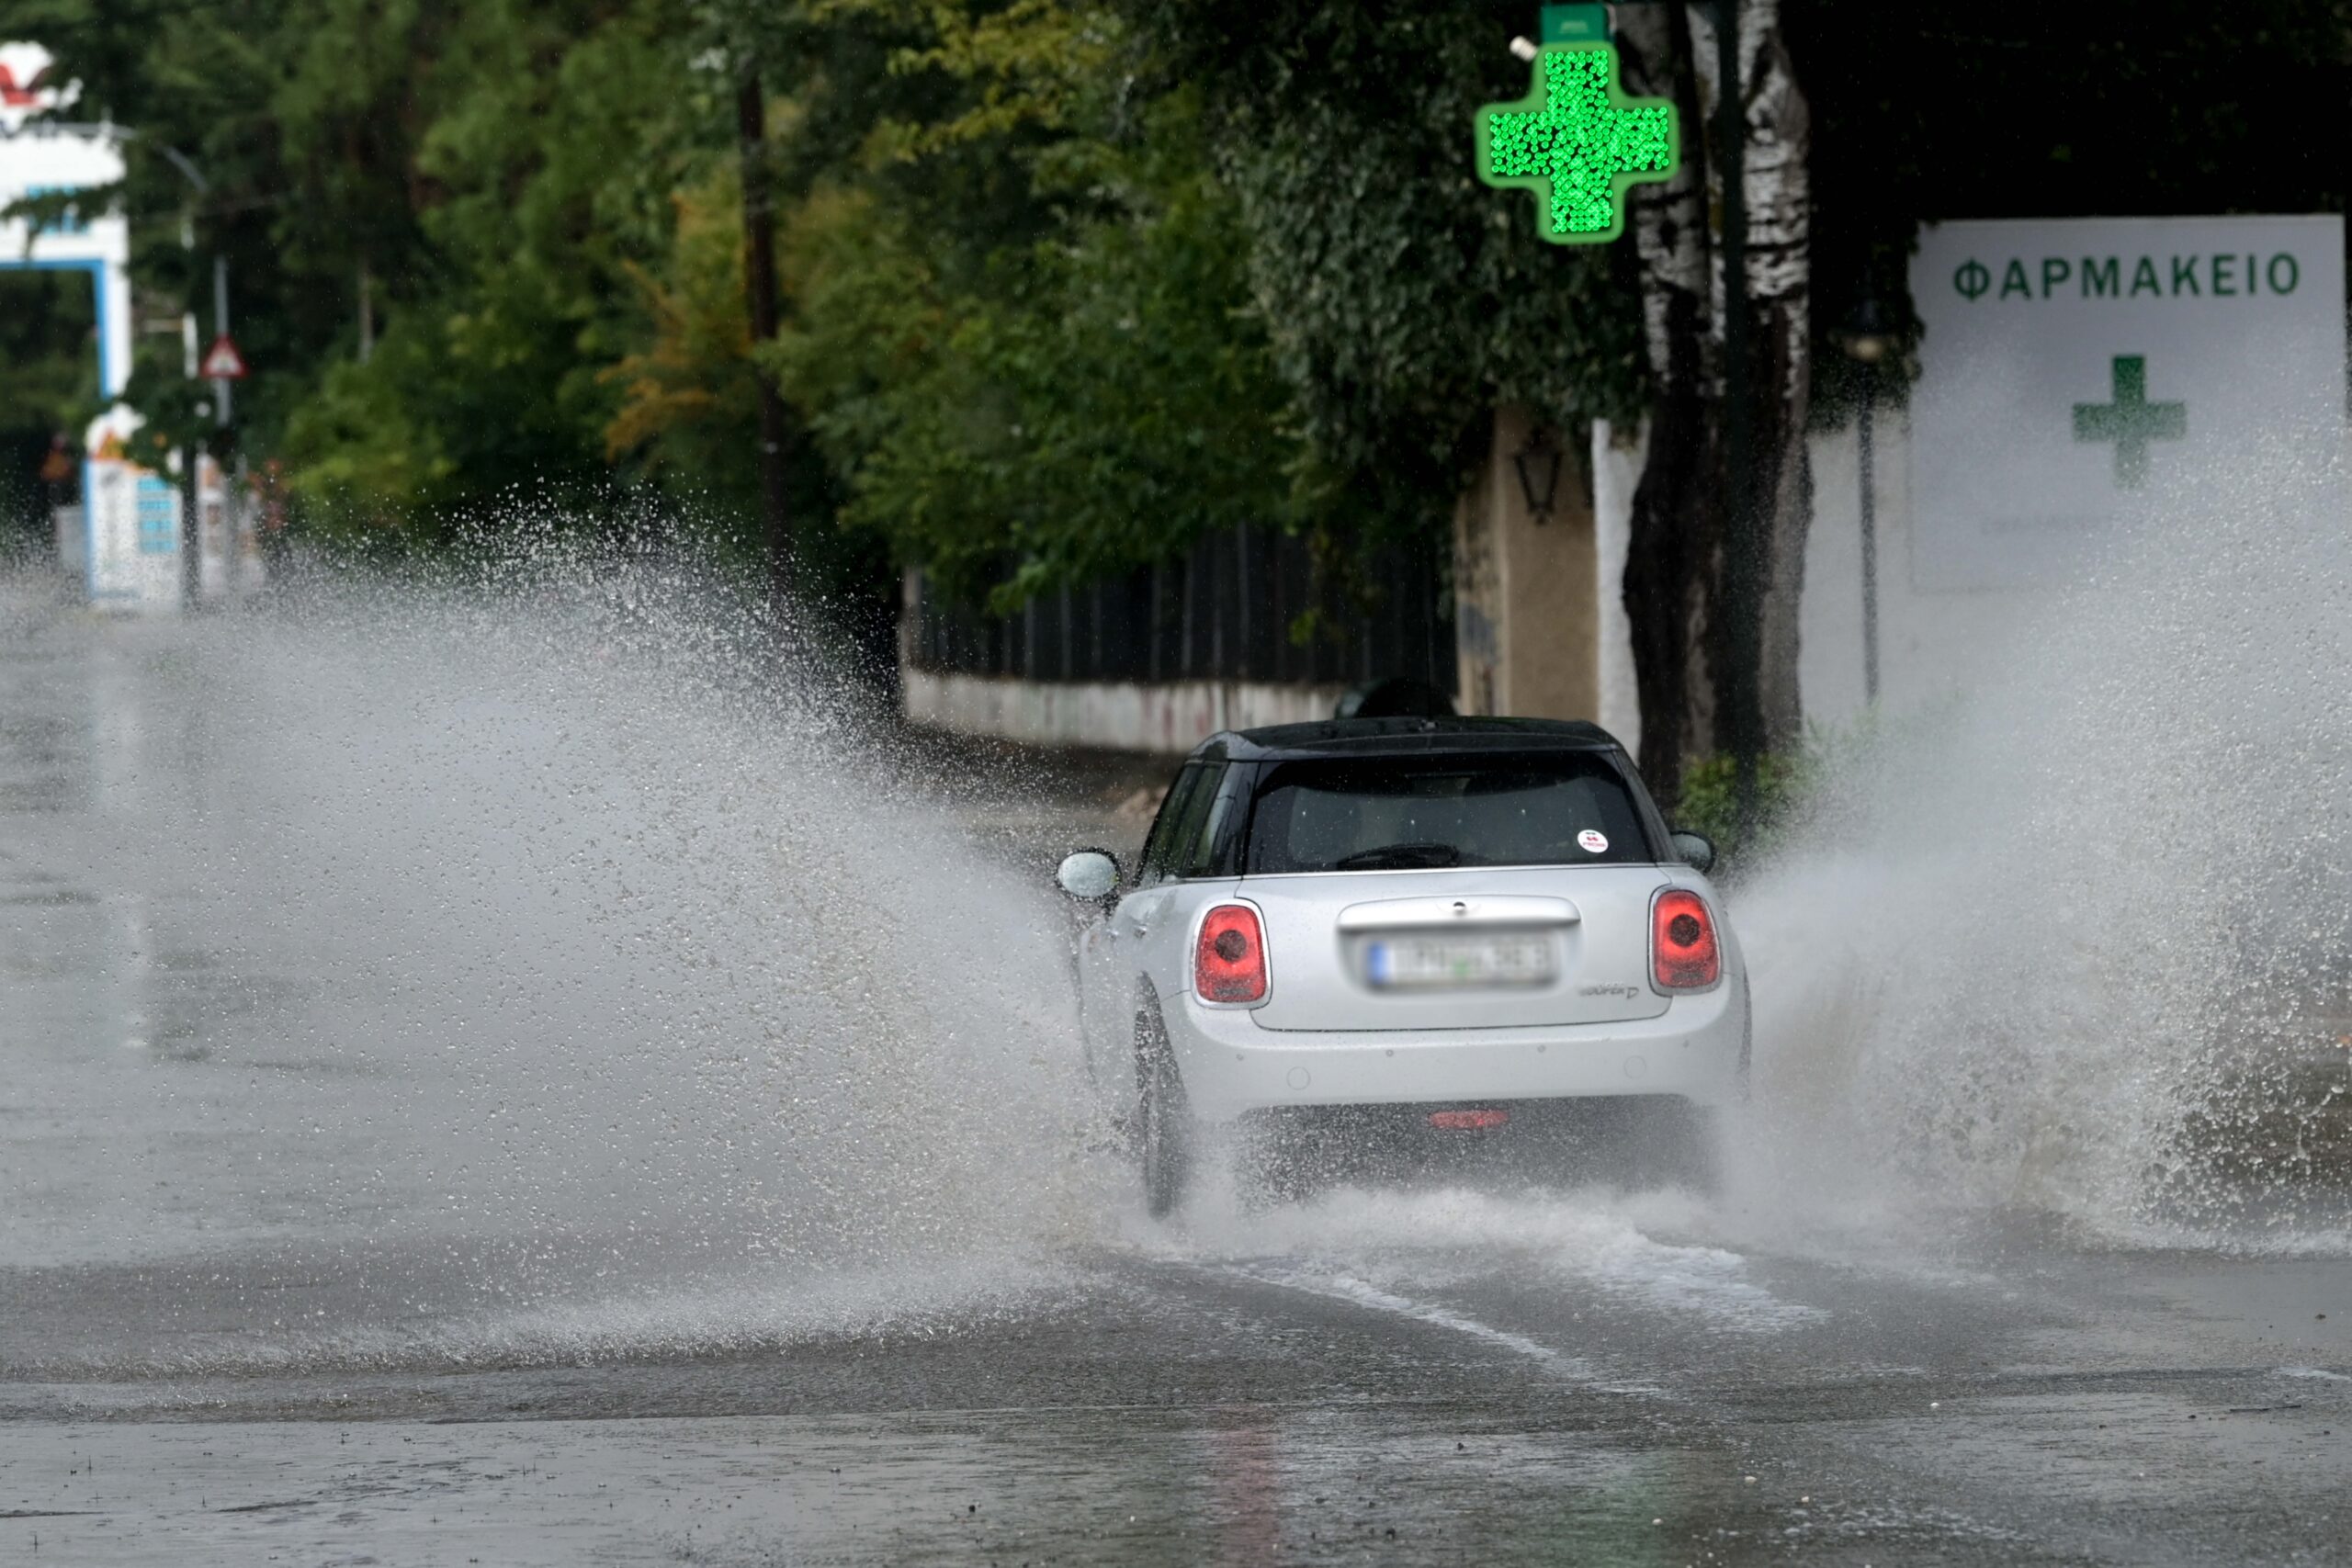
(1163, 1120)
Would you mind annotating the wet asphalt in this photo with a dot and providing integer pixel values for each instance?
(2049, 1409)
(241, 1321)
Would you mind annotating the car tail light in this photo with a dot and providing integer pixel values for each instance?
(1683, 954)
(1229, 964)
(1468, 1121)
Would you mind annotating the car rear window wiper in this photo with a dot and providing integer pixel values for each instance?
(1399, 857)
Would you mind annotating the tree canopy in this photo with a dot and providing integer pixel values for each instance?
(1066, 283)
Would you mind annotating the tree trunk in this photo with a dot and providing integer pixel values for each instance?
(1690, 676)
(759, 300)
(1675, 529)
(1780, 288)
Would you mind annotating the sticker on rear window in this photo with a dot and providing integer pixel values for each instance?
(1592, 842)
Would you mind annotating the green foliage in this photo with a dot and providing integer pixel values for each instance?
(688, 392)
(1709, 802)
(1837, 771)
(490, 169)
(1069, 281)
(461, 400)
(1037, 316)
(1091, 401)
(1406, 300)
(47, 322)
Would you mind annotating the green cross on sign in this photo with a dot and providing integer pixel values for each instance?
(1578, 143)
(2130, 421)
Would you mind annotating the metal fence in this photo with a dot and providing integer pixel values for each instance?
(1223, 612)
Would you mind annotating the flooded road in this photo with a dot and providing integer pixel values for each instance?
(482, 1080)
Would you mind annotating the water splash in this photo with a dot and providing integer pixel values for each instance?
(2076, 941)
(1641, 1250)
(521, 948)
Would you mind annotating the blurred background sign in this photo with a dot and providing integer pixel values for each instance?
(29, 86)
(222, 362)
(2077, 372)
(114, 533)
(1574, 24)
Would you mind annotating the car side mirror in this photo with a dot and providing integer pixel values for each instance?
(1088, 874)
(1697, 850)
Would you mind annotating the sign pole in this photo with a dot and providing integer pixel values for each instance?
(223, 412)
(220, 403)
(191, 556)
(1866, 456)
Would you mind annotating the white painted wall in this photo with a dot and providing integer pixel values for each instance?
(1166, 716)
(1930, 643)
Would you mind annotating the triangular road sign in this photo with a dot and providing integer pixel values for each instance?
(222, 362)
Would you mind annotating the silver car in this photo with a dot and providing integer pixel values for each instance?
(1374, 935)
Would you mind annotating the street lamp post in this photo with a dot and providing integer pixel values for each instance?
(222, 406)
(1867, 339)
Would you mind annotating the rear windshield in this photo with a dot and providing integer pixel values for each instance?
(1405, 813)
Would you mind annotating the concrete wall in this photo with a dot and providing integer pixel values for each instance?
(1930, 643)
(1526, 599)
(1170, 717)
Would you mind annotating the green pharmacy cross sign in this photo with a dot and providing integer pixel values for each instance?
(2130, 421)
(1577, 141)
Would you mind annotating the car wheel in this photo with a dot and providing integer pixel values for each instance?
(1163, 1122)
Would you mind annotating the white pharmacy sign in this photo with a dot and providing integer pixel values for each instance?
(2072, 369)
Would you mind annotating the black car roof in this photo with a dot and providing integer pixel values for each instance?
(1404, 736)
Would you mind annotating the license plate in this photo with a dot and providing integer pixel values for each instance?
(1458, 963)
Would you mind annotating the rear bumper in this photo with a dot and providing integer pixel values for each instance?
(1231, 1066)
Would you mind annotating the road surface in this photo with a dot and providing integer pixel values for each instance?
(472, 1090)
